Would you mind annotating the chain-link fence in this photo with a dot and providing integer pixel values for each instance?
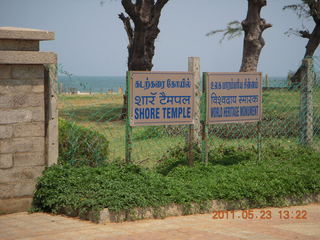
(282, 124)
(101, 112)
(316, 103)
(288, 109)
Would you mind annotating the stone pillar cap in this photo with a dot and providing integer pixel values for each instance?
(25, 34)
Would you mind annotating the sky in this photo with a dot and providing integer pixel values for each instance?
(91, 41)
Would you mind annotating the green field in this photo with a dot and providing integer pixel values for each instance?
(101, 112)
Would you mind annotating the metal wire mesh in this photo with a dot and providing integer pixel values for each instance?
(151, 143)
(316, 104)
(281, 123)
(101, 112)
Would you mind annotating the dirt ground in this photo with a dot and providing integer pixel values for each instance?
(299, 222)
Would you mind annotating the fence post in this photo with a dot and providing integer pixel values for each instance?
(51, 86)
(306, 103)
(194, 131)
(204, 125)
(267, 81)
(128, 139)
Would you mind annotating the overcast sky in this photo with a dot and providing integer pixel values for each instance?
(90, 39)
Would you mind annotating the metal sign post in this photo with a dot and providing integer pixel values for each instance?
(128, 138)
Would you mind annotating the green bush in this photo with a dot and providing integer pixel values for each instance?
(174, 157)
(285, 172)
(80, 146)
(222, 155)
(230, 155)
(113, 186)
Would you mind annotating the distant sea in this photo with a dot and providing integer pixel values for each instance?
(104, 84)
(91, 83)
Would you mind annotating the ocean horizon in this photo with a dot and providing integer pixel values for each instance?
(104, 84)
(96, 84)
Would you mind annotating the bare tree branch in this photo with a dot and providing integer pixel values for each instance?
(215, 32)
(305, 34)
(160, 4)
(127, 26)
(264, 25)
(130, 9)
(302, 10)
(294, 32)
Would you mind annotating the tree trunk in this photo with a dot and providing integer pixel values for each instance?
(253, 27)
(145, 15)
(312, 45)
(313, 40)
(137, 60)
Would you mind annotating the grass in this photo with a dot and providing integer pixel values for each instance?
(145, 151)
(85, 100)
(90, 108)
(101, 112)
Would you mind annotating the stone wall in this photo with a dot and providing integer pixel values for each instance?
(24, 121)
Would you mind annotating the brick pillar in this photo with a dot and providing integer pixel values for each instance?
(28, 114)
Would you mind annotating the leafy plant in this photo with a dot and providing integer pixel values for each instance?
(231, 155)
(80, 146)
(175, 157)
(232, 174)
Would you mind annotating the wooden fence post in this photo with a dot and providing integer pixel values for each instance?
(51, 85)
(194, 131)
(306, 104)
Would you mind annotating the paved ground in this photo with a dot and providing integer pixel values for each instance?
(48, 227)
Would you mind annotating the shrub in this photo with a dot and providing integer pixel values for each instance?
(113, 186)
(230, 155)
(80, 146)
(174, 157)
(117, 187)
(222, 155)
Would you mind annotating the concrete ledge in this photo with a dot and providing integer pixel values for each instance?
(105, 216)
(24, 57)
(19, 45)
(17, 189)
(25, 33)
(13, 205)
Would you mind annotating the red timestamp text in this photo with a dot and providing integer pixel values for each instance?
(260, 214)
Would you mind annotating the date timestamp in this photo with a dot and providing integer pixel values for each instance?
(260, 214)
